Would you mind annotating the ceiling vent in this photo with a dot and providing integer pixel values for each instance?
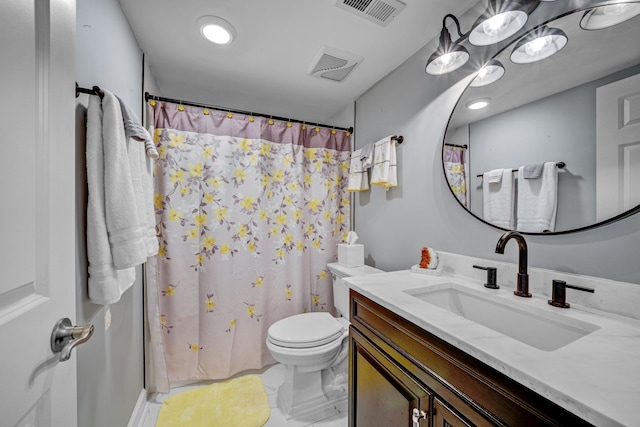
(333, 64)
(379, 11)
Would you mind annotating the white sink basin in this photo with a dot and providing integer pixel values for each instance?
(542, 330)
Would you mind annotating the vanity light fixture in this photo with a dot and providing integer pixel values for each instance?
(449, 55)
(488, 74)
(539, 44)
(216, 30)
(501, 20)
(609, 15)
(478, 103)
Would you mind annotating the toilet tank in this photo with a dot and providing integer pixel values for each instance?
(340, 288)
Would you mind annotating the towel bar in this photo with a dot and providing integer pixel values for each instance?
(560, 165)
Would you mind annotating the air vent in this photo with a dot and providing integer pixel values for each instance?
(378, 11)
(333, 64)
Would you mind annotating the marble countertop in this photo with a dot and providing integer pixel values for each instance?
(596, 377)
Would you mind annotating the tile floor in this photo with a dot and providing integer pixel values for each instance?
(272, 377)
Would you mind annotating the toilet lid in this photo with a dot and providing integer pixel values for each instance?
(305, 330)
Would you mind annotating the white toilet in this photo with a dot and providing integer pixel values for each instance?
(313, 348)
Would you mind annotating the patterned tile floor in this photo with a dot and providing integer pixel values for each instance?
(272, 377)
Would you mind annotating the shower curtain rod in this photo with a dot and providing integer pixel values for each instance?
(149, 97)
(465, 146)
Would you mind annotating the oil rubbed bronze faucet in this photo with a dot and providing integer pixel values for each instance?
(522, 283)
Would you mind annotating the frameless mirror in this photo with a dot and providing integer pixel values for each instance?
(580, 107)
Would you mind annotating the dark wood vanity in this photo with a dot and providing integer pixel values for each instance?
(401, 375)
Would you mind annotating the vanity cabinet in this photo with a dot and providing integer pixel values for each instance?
(401, 375)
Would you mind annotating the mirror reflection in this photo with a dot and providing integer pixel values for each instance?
(578, 109)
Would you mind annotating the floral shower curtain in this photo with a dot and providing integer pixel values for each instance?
(454, 166)
(249, 212)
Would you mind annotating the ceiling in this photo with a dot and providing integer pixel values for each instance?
(264, 69)
(588, 56)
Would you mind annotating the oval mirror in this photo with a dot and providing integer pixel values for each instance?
(578, 109)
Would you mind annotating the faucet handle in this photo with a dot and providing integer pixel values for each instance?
(492, 275)
(559, 293)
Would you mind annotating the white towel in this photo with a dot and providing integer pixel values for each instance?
(384, 172)
(358, 177)
(493, 176)
(106, 284)
(366, 155)
(498, 198)
(123, 189)
(133, 129)
(538, 200)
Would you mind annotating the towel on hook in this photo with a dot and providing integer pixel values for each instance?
(358, 177)
(136, 131)
(538, 200)
(498, 198)
(106, 284)
(384, 172)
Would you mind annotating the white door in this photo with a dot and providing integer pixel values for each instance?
(37, 274)
(618, 147)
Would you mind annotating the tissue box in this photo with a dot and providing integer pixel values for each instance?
(351, 255)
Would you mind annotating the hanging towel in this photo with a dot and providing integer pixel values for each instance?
(133, 129)
(493, 176)
(384, 171)
(358, 177)
(142, 174)
(533, 170)
(498, 198)
(124, 194)
(106, 284)
(538, 200)
(366, 156)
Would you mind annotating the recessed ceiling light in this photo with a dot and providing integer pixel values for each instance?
(478, 103)
(216, 30)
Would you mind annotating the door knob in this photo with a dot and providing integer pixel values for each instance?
(66, 337)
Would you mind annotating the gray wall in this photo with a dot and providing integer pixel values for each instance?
(110, 365)
(394, 225)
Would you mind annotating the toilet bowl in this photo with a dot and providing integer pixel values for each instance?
(313, 349)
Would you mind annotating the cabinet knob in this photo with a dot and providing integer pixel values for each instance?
(418, 415)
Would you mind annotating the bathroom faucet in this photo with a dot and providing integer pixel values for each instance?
(522, 283)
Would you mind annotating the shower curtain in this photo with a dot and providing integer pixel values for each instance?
(455, 170)
(249, 212)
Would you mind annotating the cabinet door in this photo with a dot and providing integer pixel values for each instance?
(383, 394)
(444, 417)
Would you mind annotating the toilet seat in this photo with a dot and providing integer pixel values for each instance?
(305, 330)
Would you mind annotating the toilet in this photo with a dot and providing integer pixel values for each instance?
(313, 348)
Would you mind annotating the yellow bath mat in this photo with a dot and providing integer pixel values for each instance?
(240, 402)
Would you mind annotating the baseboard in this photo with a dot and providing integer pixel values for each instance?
(140, 413)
